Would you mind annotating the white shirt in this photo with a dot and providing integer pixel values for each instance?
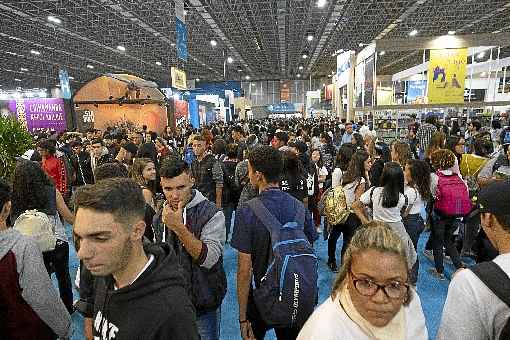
(471, 310)
(322, 172)
(350, 191)
(415, 202)
(380, 213)
(336, 177)
(330, 322)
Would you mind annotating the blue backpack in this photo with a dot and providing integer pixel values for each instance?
(287, 293)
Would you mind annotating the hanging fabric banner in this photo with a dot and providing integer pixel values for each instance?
(64, 84)
(446, 76)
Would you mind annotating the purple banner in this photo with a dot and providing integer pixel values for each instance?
(41, 113)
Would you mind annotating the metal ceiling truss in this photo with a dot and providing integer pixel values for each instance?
(265, 38)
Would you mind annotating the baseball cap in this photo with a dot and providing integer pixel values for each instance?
(495, 198)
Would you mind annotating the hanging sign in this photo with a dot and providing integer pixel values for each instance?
(446, 76)
(64, 84)
(182, 39)
(178, 78)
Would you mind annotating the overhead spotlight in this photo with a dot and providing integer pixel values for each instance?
(158, 63)
(382, 53)
(197, 80)
(239, 69)
(247, 77)
(17, 79)
(35, 52)
(298, 75)
(213, 43)
(54, 20)
(300, 67)
(91, 67)
(172, 44)
(185, 12)
(361, 44)
(230, 60)
(481, 55)
(71, 78)
(321, 3)
(121, 48)
(304, 56)
(309, 37)
(23, 69)
(451, 32)
(413, 33)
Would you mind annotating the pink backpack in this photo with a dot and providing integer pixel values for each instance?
(452, 196)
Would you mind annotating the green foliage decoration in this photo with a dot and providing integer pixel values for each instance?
(14, 141)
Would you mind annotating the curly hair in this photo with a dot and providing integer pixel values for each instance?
(267, 161)
(29, 187)
(443, 159)
(403, 153)
(420, 177)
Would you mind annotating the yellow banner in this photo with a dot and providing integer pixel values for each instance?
(446, 76)
(178, 78)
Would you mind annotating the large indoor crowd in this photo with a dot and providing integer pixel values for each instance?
(150, 215)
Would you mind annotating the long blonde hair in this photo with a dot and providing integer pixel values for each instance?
(136, 170)
(374, 235)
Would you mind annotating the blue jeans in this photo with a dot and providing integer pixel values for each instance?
(208, 325)
(414, 226)
(228, 211)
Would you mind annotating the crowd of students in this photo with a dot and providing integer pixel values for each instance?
(150, 216)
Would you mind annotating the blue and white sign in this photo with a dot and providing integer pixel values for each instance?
(182, 39)
(64, 84)
(343, 65)
(282, 108)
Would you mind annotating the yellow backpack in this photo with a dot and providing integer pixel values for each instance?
(335, 206)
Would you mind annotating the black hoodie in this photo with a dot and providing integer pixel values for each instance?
(155, 306)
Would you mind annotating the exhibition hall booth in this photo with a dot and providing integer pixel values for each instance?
(120, 99)
(453, 77)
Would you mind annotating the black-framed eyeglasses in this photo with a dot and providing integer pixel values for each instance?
(367, 287)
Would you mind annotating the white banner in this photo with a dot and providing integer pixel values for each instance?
(343, 65)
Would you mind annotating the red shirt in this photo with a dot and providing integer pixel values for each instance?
(55, 168)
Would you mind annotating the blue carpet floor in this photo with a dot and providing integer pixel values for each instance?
(432, 292)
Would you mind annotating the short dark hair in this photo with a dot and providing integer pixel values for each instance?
(504, 220)
(431, 120)
(476, 124)
(267, 161)
(239, 129)
(110, 170)
(232, 150)
(283, 136)
(121, 197)
(172, 167)
(96, 141)
(47, 145)
(5, 193)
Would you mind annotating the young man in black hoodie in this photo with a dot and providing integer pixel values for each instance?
(140, 291)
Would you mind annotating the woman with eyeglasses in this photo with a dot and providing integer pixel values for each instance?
(370, 299)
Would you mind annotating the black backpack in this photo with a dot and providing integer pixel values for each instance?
(231, 190)
(499, 283)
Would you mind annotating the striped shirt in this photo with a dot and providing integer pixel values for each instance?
(424, 135)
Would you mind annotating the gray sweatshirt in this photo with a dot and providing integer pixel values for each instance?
(35, 283)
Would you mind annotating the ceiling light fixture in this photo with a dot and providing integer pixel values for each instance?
(54, 20)
(121, 48)
(300, 67)
(247, 77)
(309, 37)
(230, 60)
(71, 78)
(298, 75)
(213, 43)
(361, 44)
(413, 33)
(304, 56)
(158, 63)
(382, 53)
(321, 3)
(483, 74)
(451, 32)
(24, 69)
(481, 55)
(197, 80)
(90, 66)
(17, 79)
(172, 44)
(35, 52)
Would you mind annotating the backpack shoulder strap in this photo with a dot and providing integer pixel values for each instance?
(268, 220)
(494, 278)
